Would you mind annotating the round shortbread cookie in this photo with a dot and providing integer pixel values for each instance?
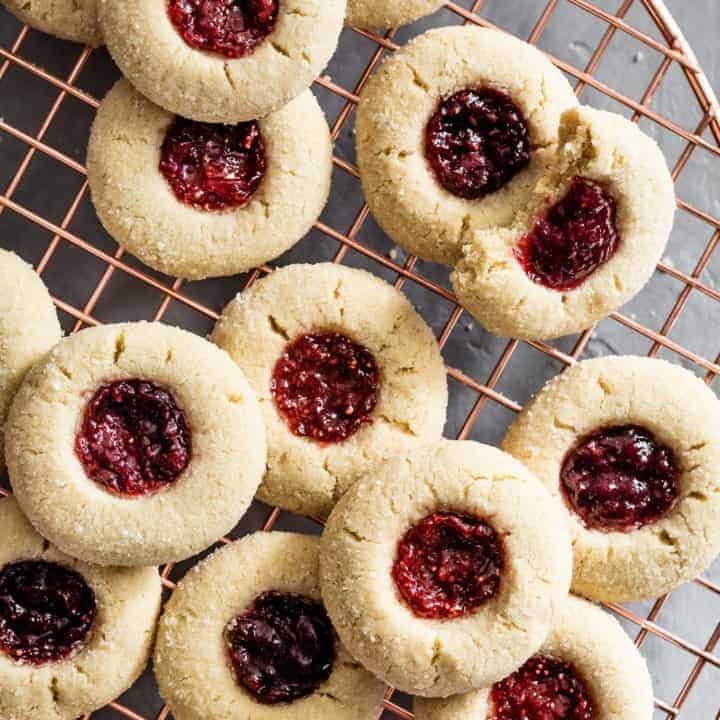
(106, 661)
(439, 653)
(192, 658)
(306, 473)
(28, 328)
(614, 154)
(397, 104)
(74, 20)
(603, 657)
(135, 444)
(139, 208)
(642, 541)
(206, 85)
(381, 14)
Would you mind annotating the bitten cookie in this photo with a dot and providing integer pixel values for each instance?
(347, 374)
(245, 635)
(28, 328)
(587, 669)
(67, 19)
(198, 200)
(455, 130)
(587, 242)
(381, 14)
(630, 449)
(72, 636)
(442, 570)
(223, 61)
(135, 444)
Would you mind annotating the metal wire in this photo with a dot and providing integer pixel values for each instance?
(673, 49)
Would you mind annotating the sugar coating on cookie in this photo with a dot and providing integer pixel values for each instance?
(629, 448)
(442, 570)
(454, 131)
(381, 14)
(588, 240)
(347, 374)
(199, 200)
(74, 20)
(587, 669)
(221, 62)
(91, 633)
(28, 328)
(135, 444)
(245, 634)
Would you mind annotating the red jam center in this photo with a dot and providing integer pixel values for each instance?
(233, 28)
(134, 439)
(476, 142)
(448, 565)
(46, 611)
(542, 689)
(570, 241)
(282, 648)
(213, 167)
(620, 478)
(326, 386)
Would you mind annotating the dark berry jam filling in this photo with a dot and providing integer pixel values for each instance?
(213, 167)
(476, 142)
(620, 478)
(46, 611)
(542, 689)
(325, 386)
(133, 439)
(570, 241)
(233, 28)
(282, 648)
(448, 565)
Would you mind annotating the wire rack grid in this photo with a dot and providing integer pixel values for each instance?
(91, 294)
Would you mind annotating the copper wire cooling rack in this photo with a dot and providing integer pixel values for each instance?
(49, 91)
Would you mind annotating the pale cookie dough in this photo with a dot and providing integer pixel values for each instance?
(116, 649)
(87, 520)
(208, 86)
(597, 648)
(192, 664)
(28, 328)
(399, 184)
(67, 19)
(684, 415)
(138, 207)
(303, 475)
(441, 657)
(612, 151)
(381, 14)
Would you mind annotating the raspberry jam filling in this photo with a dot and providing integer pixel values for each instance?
(476, 142)
(570, 241)
(134, 439)
(233, 28)
(544, 688)
(620, 478)
(46, 611)
(213, 167)
(282, 648)
(448, 565)
(325, 386)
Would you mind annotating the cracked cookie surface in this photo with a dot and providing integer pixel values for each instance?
(381, 14)
(139, 208)
(112, 654)
(203, 85)
(193, 660)
(74, 20)
(223, 444)
(498, 626)
(679, 533)
(306, 475)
